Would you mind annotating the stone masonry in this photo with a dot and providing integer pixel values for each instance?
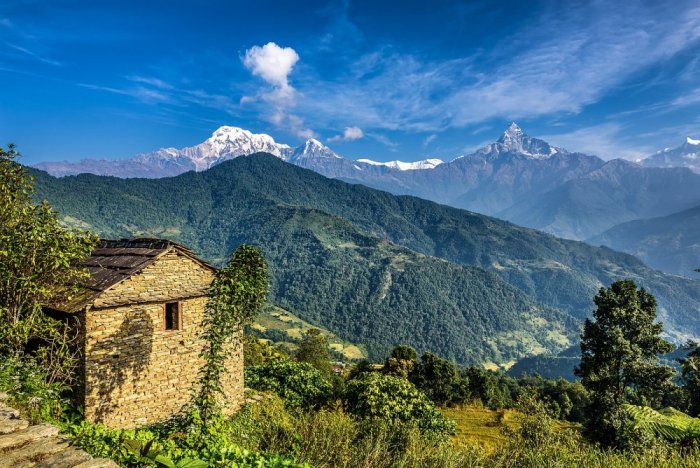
(135, 371)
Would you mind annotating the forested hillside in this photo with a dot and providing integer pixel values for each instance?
(331, 244)
(669, 243)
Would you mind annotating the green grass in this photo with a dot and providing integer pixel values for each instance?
(483, 427)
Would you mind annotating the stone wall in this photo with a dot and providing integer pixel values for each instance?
(136, 372)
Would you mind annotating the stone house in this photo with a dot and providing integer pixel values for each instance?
(139, 332)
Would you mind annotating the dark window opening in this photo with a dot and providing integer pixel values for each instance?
(172, 316)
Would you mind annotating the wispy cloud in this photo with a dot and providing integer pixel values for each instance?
(32, 55)
(567, 60)
(384, 140)
(150, 81)
(607, 141)
(688, 99)
(141, 93)
(429, 139)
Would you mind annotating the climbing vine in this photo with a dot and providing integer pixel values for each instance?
(236, 296)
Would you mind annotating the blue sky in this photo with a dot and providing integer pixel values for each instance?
(385, 80)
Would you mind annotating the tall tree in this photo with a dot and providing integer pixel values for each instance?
(619, 357)
(39, 260)
(690, 373)
(236, 296)
(314, 350)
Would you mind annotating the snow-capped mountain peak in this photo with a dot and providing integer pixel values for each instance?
(686, 155)
(405, 166)
(514, 140)
(512, 134)
(225, 143)
(312, 149)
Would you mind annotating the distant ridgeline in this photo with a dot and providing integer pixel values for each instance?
(562, 364)
(374, 268)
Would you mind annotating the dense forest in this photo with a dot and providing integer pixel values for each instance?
(331, 244)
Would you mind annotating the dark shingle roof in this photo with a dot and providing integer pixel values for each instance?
(113, 261)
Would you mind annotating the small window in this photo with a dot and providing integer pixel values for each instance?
(172, 316)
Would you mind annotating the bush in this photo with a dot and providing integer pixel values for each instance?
(299, 383)
(210, 444)
(24, 380)
(395, 401)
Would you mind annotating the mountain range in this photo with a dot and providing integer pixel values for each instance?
(517, 178)
(376, 268)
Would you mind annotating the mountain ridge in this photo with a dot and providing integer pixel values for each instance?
(215, 209)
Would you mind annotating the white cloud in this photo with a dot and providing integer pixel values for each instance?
(693, 97)
(349, 134)
(564, 60)
(273, 64)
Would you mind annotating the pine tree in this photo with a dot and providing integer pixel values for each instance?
(619, 357)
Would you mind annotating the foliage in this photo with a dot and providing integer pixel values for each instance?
(149, 452)
(619, 361)
(690, 373)
(332, 438)
(256, 352)
(440, 380)
(25, 381)
(299, 383)
(401, 361)
(314, 350)
(38, 264)
(669, 423)
(211, 444)
(395, 400)
(237, 294)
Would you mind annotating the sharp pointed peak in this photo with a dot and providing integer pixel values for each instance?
(314, 142)
(514, 128)
(512, 133)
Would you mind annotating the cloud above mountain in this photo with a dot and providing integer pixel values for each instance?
(349, 134)
(274, 64)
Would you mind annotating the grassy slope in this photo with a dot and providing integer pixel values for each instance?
(274, 318)
(484, 427)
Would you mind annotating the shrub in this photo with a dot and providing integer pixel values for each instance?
(395, 401)
(299, 383)
(24, 380)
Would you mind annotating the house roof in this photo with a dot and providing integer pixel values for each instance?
(113, 261)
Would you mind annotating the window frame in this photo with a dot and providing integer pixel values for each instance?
(179, 316)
